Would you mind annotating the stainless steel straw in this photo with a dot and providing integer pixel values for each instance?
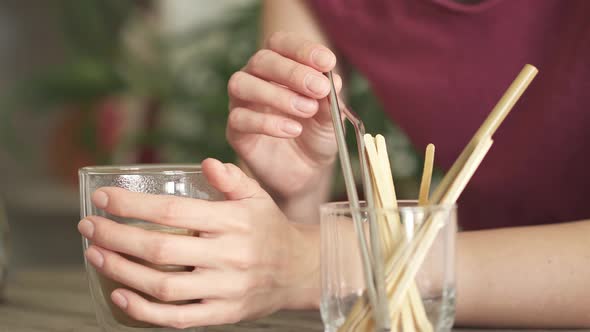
(372, 264)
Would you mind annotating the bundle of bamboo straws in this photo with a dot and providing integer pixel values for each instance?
(402, 262)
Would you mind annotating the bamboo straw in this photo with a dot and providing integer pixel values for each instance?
(416, 301)
(490, 125)
(415, 305)
(426, 175)
(404, 264)
(413, 315)
(390, 202)
(383, 197)
(410, 261)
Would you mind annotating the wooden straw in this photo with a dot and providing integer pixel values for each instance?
(426, 175)
(415, 299)
(404, 264)
(490, 125)
(384, 194)
(376, 232)
(449, 189)
(411, 259)
(413, 316)
(390, 202)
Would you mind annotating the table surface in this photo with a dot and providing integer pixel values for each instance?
(58, 300)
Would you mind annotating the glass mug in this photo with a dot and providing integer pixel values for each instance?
(343, 285)
(177, 180)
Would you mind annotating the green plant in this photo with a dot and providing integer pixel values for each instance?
(114, 48)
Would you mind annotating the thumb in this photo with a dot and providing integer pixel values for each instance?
(231, 180)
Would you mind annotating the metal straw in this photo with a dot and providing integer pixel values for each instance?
(372, 268)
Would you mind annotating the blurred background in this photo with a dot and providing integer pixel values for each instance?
(121, 81)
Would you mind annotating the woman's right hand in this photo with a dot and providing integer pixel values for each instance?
(279, 122)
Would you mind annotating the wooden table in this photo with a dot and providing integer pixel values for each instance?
(58, 300)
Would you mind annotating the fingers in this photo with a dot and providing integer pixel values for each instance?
(303, 51)
(181, 212)
(151, 246)
(252, 89)
(287, 77)
(272, 66)
(177, 316)
(231, 180)
(171, 286)
(243, 120)
(247, 121)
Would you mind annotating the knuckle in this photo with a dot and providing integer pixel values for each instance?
(172, 209)
(243, 225)
(111, 265)
(247, 259)
(274, 40)
(136, 310)
(250, 283)
(99, 235)
(269, 125)
(256, 62)
(233, 85)
(180, 320)
(116, 208)
(303, 53)
(234, 119)
(158, 252)
(244, 287)
(234, 316)
(296, 74)
(165, 289)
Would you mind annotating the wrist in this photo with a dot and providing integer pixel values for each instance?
(303, 206)
(303, 288)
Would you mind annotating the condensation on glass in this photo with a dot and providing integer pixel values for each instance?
(177, 180)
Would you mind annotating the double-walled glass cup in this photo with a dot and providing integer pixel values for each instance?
(177, 180)
(433, 286)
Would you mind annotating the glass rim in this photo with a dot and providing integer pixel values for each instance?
(134, 169)
(406, 205)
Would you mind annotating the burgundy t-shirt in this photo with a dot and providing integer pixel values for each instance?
(439, 67)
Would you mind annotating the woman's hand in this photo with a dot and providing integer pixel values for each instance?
(279, 121)
(249, 260)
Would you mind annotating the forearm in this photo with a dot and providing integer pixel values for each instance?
(534, 276)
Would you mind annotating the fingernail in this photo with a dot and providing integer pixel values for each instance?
(94, 257)
(304, 105)
(316, 84)
(119, 300)
(100, 199)
(86, 228)
(291, 128)
(322, 59)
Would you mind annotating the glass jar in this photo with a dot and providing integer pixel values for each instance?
(421, 250)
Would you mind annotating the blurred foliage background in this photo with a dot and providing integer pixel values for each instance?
(131, 91)
(126, 81)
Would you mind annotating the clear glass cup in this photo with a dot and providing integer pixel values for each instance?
(343, 286)
(177, 180)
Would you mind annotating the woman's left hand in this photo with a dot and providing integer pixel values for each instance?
(249, 259)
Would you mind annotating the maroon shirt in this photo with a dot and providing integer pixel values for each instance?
(439, 67)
